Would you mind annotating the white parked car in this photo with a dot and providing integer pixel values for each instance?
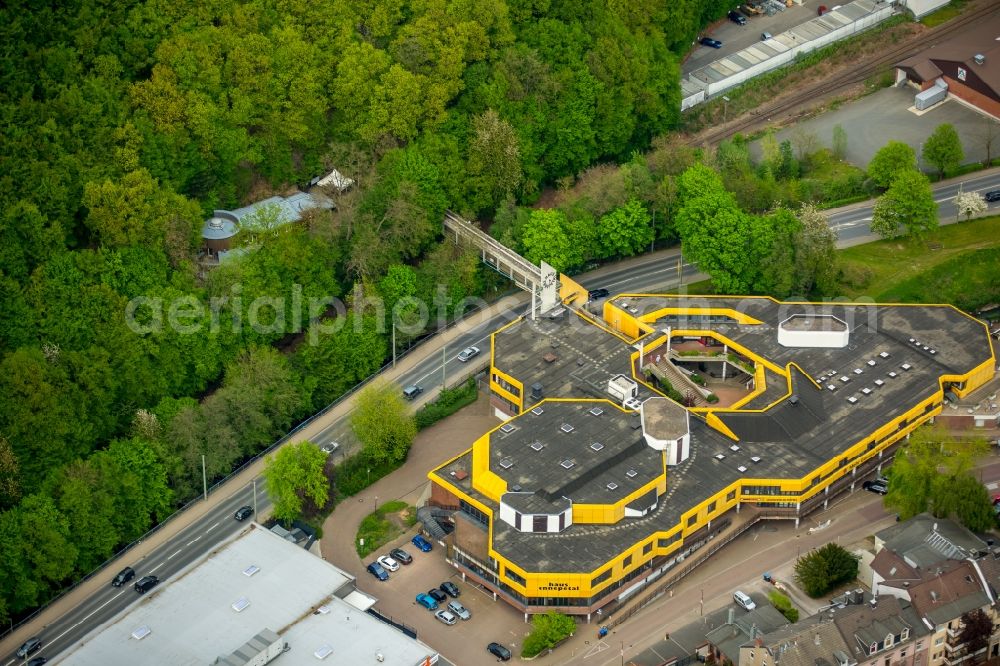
(467, 353)
(329, 447)
(446, 617)
(388, 563)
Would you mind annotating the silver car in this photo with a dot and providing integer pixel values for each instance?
(446, 617)
(467, 353)
(458, 609)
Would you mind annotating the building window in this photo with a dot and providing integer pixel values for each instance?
(873, 648)
(646, 548)
(517, 521)
(663, 543)
(905, 633)
(691, 520)
(600, 578)
(562, 521)
(627, 562)
(514, 577)
(711, 507)
(939, 641)
(541, 524)
(731, 496)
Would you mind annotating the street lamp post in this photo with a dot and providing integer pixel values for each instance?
(725, 109)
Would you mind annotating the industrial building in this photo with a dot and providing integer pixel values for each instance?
(597, 484)
(255, 598)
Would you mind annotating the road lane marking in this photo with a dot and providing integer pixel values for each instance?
(176, 552)
(212, 527)
(82, 620)
(193, 541)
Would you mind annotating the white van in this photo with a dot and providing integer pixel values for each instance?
(744, 600)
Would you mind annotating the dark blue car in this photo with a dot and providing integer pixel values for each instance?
(422, 543)
(376, 570)
(708, 41)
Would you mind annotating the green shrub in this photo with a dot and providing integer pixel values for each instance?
(826, 568)
(784, 605)
(447, 403)
(712, 398)
(356, 473)
(697, 379)
(548, 630)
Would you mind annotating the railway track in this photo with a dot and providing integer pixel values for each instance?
(849, 76)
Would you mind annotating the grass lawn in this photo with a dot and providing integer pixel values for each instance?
(944, 14)
(377, 530)
(901, 270)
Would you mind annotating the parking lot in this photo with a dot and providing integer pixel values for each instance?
(463, 643)
(736, 37)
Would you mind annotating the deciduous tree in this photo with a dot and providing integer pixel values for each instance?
(546, 237)
(382, 423)
(907, 208)
(892, 159)
(494, 160)
(626, 230)
(970, 203)
(815, 253)
(943, 148)
(296, 473)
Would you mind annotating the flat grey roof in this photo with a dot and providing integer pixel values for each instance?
(789, 440)
(568, 356)
(192, 621)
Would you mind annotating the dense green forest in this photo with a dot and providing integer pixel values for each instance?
(126, 123)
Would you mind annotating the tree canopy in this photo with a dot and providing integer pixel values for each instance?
(382, 423)
(825, 568)
(943, 148)
(892, 159)
(294, 474)
(907, 208)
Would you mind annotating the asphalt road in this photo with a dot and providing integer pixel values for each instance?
(852, 222)
(188, 545)
(659, 272)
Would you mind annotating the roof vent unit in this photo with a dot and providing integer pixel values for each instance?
(251, 570)
(631, 473)
(537, 446)
(596, 446)
(537, 411)
(853, 399)
(858, 371)
(906, 367)
(720, 456)
(516, 487)
(912, 341)
(793, 399)
(508, 428)
(141, 632)
(536, 391)
(568, 464)
(507, 463)
(871, 364)
(565, 427)
(323, 651)
(893, 374)
(741, 469)
(755, 459)
(595, 411)
(734, 447)
(845, 378)
(979, 58)
(884, 355)
(879, 382)
(612, 486)
(240, 604)
(933, 351)
(866, 390)
(832, 387)
(631, 403)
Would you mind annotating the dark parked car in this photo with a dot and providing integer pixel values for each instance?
(33, 644)
(595, 294)
(378, 571)
(737, 18)
(145, 584)
(992, 195)
(124, 576)
(877, 486)
(438, 595)
(422, 543)
(401, 556)
(450, 588)
(708, 41)
(498, 651)
(243, 513)
(37, 661)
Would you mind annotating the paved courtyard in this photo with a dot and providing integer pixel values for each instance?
(873, 120)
